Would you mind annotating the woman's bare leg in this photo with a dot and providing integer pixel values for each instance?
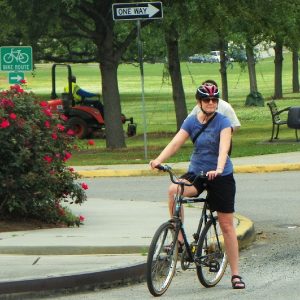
(230, 240)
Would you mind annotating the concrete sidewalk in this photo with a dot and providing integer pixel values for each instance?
(110, 248)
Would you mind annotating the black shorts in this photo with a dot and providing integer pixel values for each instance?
(221, 191)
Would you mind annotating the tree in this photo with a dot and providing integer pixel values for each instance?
(293, 43)
(171, 38)
(279, 23)
(172, 35)
(248, 32)
(83, 31)
(217, 21)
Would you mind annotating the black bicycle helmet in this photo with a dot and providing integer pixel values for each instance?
(207, 91)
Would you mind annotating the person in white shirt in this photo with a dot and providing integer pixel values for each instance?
(224, 108)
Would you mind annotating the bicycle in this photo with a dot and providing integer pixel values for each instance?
(206, 251)
(16, 55)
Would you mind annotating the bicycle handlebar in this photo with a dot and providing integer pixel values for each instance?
(166, 168)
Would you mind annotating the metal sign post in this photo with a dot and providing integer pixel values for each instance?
(138, 11)
(140, 55)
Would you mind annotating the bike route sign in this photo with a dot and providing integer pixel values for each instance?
(16, 58)
(136, 11)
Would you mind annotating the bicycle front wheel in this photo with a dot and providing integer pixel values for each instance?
(162, 259)
(212, 259)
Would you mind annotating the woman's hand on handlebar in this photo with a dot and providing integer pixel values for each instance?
(213, 174)
(154, 163)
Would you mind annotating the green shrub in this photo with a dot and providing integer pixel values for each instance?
(35, 145)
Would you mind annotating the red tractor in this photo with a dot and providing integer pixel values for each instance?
(83, 119)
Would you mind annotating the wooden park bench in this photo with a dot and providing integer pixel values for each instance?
(276, 119)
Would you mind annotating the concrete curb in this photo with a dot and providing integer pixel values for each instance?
(245, 231)
(143, 172)
(72, 250)
(29, 289)
(267, 168)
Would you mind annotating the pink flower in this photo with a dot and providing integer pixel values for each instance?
(71, 169)
(70, 132)
(60, 127)
(91, 142)
(63, 117)
(81, 218)
(68, 155)
(84, 186)
(48, 159)
(47, 124)
(6, 103)
(44, 104)
(22, 81)
(5, 123)
(54, 136)
(12, 116)
(47, 112)
(17, 88)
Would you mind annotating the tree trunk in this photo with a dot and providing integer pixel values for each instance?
(251, 68)
(278, 69)
(295, 71)
(223, 70)
(171, 38)
(111, 97)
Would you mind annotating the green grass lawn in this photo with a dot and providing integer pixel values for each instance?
(251, 139)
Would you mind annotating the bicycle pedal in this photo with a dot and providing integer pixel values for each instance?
(214, 267)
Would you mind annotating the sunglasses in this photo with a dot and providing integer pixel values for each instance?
(207, 100)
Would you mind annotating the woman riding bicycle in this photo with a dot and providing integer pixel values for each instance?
(211, 156)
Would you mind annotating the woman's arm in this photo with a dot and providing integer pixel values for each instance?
(178, 140)
(225, 139)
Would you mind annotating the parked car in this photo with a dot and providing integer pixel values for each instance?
(215, 56)
(197, 58)
(238, 55)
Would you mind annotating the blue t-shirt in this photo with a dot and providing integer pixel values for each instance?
(206, 147)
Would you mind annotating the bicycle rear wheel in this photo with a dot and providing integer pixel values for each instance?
(212, 261)
(162, 259)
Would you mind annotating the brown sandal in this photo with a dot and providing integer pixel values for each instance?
(237, 284)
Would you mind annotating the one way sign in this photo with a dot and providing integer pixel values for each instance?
(136, 11)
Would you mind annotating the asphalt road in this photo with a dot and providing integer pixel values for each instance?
(270, 267)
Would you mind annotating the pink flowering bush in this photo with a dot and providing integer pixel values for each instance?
(34, 148)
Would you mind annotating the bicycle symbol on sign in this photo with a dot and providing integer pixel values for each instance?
(16, 55)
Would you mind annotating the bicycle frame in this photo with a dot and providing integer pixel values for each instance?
(179, 201)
